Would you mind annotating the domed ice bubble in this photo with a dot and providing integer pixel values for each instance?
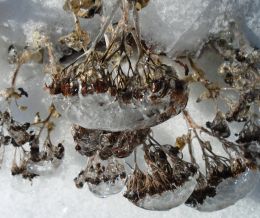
(168, 199)
(167, 182)
(103, 177)
(105, 189)
(229, 191)
(106, 112)
(43, 167)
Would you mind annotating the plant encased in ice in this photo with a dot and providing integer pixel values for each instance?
(168, 182)
(117, 89)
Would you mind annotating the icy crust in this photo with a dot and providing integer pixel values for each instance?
(44, 167)
(168, 199)
(105, 189)
(103, 177)
(105, 112)
(229, 191)
(182, 25)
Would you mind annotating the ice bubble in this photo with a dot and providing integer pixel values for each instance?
(43, 167)
(229, 191)
(105, 112)
(168, 199)
(104, 177)
(105, 189)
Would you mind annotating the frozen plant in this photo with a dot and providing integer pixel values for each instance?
(116, 89)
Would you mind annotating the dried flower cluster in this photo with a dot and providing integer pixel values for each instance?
(117, 90)
(30, 156)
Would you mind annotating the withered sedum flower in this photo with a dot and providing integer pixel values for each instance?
(224, 185)
(35, 158)
(104, 177)
(147, 98)
(249, 140)
(250, 132)
(168, 182)
(121, 76)
(252, 152)
(117, 144)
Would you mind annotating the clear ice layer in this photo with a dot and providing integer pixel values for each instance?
(43, 167)
(168, 199)
(58, 198)
(104, 112)
(229, 191)
(105, 189)
(182, 25)
(104, 177)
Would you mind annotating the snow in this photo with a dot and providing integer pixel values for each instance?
(174, 24)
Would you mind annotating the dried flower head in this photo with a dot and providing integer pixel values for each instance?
(118, 144)
(34, 158)
(165, 185)
(115, 90)
(104, 177)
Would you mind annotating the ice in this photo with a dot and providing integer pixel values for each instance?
(229, 191)
(106, 189)
(168, 199)
(44, 167)
(106, 112)
(112, 186)
(111, 116)
(104, 177)
(172, 19)
(178, 26)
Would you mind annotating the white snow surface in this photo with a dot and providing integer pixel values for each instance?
(175, 25)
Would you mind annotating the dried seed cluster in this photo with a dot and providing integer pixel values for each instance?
(118, 144)
(25, 139)
(167, 172)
